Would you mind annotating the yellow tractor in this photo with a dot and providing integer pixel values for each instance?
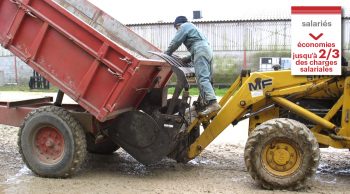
(290, 118)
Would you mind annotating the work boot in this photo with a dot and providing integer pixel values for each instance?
(212, 107)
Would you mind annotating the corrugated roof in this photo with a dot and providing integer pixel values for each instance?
(222, 21)
(209, 21)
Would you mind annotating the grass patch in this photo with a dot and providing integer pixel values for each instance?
(193, 91)
(220, 91)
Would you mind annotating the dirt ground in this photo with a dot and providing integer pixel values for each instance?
(219, 169)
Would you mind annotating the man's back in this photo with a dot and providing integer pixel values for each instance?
(194, 37)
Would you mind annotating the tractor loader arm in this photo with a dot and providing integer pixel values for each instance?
(256, 94)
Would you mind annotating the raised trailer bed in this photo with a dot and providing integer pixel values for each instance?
(118, 85)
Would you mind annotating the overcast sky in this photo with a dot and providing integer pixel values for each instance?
(149, 11)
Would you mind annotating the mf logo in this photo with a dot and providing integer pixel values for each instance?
(259, 84)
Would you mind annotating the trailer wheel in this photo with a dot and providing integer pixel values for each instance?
(52, 142)
(282, 154)
(106, 147)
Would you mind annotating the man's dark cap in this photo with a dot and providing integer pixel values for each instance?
(180, 20)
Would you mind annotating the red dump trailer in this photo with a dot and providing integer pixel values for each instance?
(120, 95)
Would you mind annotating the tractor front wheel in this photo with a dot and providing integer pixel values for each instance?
(282, 154)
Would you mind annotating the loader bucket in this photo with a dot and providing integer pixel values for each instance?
(148, 139)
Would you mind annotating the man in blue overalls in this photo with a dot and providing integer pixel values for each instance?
(202, 57)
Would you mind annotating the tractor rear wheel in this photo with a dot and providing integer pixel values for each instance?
(282, 154)
(52, 142)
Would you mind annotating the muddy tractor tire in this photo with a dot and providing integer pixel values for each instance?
(52, 142)
(282, 154)
(105, 147)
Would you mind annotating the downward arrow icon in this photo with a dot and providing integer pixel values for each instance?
(316, 37)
